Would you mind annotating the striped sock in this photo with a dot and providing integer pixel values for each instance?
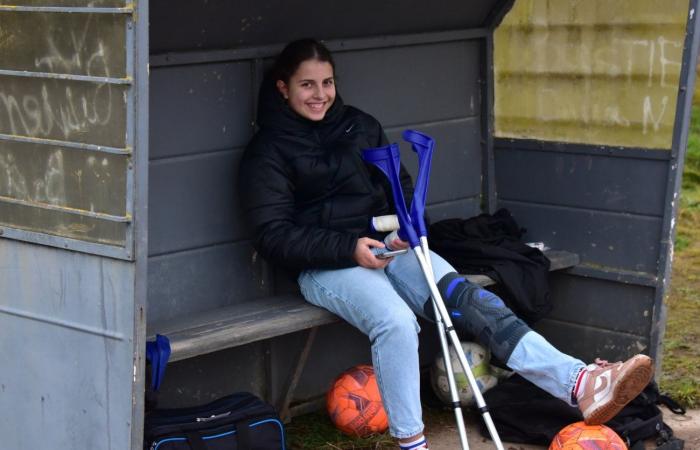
(580, 381)
(418, 444)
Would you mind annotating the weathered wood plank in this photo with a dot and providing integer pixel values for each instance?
(240, 324)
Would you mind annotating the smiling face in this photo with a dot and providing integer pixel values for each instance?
(310, 92)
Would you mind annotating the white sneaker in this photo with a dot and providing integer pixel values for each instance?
(607, 387)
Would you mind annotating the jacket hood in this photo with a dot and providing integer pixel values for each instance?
(275, 114)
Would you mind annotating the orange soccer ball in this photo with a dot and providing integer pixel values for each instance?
(579, 436)
(354, 403)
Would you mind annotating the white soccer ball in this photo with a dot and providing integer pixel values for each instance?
(478, 358)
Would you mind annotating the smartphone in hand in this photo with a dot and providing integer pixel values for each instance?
(391, 253)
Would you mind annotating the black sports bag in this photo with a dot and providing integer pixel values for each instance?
(522, 412)
(239, 421)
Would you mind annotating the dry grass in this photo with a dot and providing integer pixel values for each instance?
(681, 364)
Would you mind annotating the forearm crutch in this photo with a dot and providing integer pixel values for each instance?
(423, 146)
(387, 160)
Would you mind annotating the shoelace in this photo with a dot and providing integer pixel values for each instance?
(603, 363)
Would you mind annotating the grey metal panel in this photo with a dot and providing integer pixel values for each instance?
(205, 378)
(200, 108)
(140, 130)
(603, 304)
(414, 84)
(455, 167)
(80, 44)
(614, 274)
(610, 239)
(207, 24)
(588, 343)
(464, 209)
(265, 52)
(583, 149)
(600, 182)
(488, 163)
(66, 324)
(204, 279)
(194, 202)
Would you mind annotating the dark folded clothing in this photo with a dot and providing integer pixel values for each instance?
(491, 245)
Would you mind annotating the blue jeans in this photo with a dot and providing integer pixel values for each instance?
(383, 304)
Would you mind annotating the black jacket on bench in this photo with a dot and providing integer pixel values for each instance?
(491, 245)
(306, 190)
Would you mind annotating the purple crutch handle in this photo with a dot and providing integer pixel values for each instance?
(387, 159)
(423, 145)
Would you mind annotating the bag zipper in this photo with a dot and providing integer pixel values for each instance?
(212, 417)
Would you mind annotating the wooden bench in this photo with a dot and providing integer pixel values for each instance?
(264, 318)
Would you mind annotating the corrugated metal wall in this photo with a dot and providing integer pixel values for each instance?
(595, 72)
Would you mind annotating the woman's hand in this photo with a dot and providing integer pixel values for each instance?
(398, 244)
(363, 254)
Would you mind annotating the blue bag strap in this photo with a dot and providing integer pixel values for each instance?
(158, 353)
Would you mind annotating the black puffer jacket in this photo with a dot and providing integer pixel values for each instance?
(306, 191)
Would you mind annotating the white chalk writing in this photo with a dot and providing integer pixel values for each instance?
(61, 109)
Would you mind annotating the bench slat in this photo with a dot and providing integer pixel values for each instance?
(240, 324)
(562, 260)
(264, 318)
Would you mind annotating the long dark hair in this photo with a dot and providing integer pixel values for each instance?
(295, 53)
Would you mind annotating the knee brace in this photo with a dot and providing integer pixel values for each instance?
(482, 314)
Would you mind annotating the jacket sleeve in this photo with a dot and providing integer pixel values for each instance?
(267, 194)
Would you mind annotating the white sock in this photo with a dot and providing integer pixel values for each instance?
(418, 444)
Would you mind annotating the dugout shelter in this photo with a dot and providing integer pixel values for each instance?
(122, 124)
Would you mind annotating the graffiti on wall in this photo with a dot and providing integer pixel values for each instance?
(589, 78)
(62, 121)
